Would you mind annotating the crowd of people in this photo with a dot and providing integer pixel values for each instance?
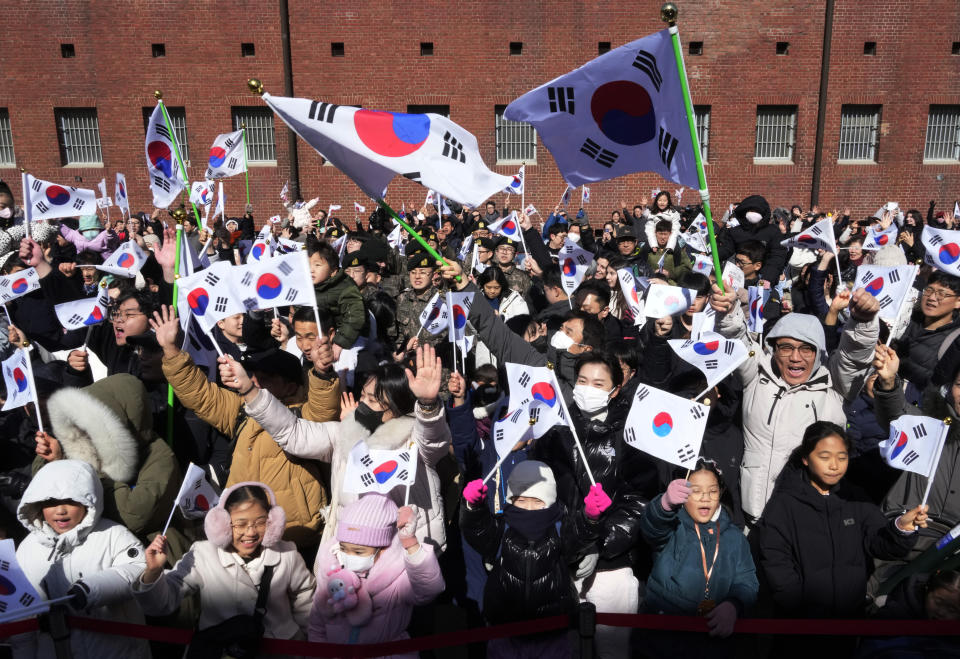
(790, 510)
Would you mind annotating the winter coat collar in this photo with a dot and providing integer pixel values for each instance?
(391, 434)
(227, 559)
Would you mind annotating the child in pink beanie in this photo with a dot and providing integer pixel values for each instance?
(373, 574)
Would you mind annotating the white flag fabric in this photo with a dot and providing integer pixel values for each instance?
(431, 198)
(77, 314)
(476, 265)
(877, 239)
(703, 263)
(956, 209)
(530, 210)
(126, 261)
(221, 203)
(565, 197)
(286, 246)
(278, 282)
(664, 300)
(18, 597)
(574, 263)
(819, 236)
(196, 495)
(620, 113)
(201, 193)
(665, 426)
(372, 147)
(379, 470)
(508, 226)
(433, 318)
(584, 196)
(226, 156)
(18, 284)
(163, 167)
(464, 248)
(333, 207)
(190, 261)
(758, 296)
(19, 380)
(459, 310)
(102, 187)
(120, 194)
(943, 249)
(208, 294)
(45, 200)
(628, 284)
(263, 246)
(698, 241)
(703, 322)
(516, 185)
(395, 238)
(104, 202)
(358, 208)
(197, 343)
(733, 276)
(889, 284)
(715, 356)
(513, 428)
(535, 389)
(913, 444)
(285, 191)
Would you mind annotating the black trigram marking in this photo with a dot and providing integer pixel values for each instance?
(402, 476)
(524, 379)
(79, 203)
(228, 142)
(642, 393)
(499, 435)
(729, 347)
(515, 416)
(710, 364)
(647, 63)
(366, 461)
(668, 146)
(75, 319)
(3, 606)
(291, 295)
(935, 239)
(405, 456)
(919, 431)
(197, 483)
(41, 207)
(221, 304)
(885, 301)
(211, 279)
(322, 111)
(285, 268)
(601, 155)
(162, 183)
(247, 279)
(534, 415)
(686, 453)
(413, 176)
(686, 344)
(696, 412)
(866, 278)
(910, 457)
(5, 566)
(893, 276)
(250, 303)
(815, 230)
(161, 130)
(36, 185)
(232, 163)
(630, 435)
(561, 99)
(452, 148)
(367, 479)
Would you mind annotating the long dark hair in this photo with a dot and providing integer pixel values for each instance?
(811, 437)
(653, 205)
(392, 389)
(493, 273)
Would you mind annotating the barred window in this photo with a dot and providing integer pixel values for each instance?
(516, 140)
(702, 116)
(78, 132)
(261, 146)
(7, 158)
(776, 132)
(943, 133)
(858, 132)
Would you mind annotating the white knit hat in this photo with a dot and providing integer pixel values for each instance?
(532, 478)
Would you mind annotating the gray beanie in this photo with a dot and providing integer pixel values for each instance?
(802, 327)
(532, 478)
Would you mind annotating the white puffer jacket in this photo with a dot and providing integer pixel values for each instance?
(103, 556)
(651, 225)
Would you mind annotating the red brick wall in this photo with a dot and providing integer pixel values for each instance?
(471, 71)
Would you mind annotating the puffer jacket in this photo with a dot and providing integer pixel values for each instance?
(919, 348)
(677, 584)
(816, 550)
(340, 296)
(776, 414)
(102, 555)
(650, 224)
(297, 483)
(332, 442)
(775, 259)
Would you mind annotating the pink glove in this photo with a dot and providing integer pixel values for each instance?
(407, 527)
(595, 502)
(676, 495)
(475, 492)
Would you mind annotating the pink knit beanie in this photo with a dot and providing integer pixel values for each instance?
(371, 521)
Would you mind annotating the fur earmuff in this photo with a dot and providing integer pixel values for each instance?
(216, 524)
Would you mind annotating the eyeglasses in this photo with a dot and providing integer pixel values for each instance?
(938, 294)
(786, 349)
(258, 524)
(123, 317)
(742, 262)
(710, 494)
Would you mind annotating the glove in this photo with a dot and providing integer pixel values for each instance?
(407, 527)
(595, 502)
(676, 495)
(587, 565)
(721, 620)
(475, 492)
(78, 594)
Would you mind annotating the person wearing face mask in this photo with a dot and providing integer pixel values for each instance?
(10, 213)
(396, 408)
(753, 214)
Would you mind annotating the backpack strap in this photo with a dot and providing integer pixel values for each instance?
(260, 608)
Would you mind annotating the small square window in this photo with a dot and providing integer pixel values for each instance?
(603, 47)
(67, 50)
(516, 48)
(248, 50)
(783, 47)
(696, 48)
(158, 50)
(955, 48)
(870, 48)
(336, 49)
(426, 48)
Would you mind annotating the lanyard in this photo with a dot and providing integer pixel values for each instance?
(703, 555)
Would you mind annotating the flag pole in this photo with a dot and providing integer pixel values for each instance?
(246, 174)
(451, 330)
(26, 202)
(416, 236)
(668, 14)
(936, 461)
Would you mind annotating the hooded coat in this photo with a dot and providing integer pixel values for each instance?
(102, 555)
(775, 259)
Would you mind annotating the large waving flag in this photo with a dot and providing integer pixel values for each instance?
(44, 200)
(379, 470)
(18, 598)
(120, 194)
(878, 239)
(126, 261)
(819, 236)
(702, 263)
(19, 380)
(372, 147)
(18, 284)
(263, 246)
(208, 295)
(434, 318)
(277, 282)
(914, 444)
(620, 113)
(664, 300)
(535, 389)
(574, 263)
(666, 426)
(163, 166)
(889, 284)
(226, 156)
(77, 314)
(715, 356)
(943, 249)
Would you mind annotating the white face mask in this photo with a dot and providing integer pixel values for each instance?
(590, 399)
(6, 213)
(753, 217)
(561, 341)
(356, 564)
(574, 237)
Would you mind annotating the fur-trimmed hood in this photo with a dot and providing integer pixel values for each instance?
(105, 425)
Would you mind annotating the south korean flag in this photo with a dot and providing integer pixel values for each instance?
(574, 263)
(44, 200)
(78, 314)
(227, 157)
(435, 317)
(715, 356)
(878, 239)
(379, 470)
(666, 426)
(208, 295)
(819, 236)
(163, 163)
(126, 261)
(18, 284)
(281, 281)
(620, 113)
(889, 284)
(535, 389)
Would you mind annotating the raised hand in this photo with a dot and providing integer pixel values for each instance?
(167, 328)
(155, 557)
(723, 301)
(913, 519)
(425, 385)
(347, 404)
(457, 386)
(233, 375)
(678, 491)
(48, 447)
(863, 306)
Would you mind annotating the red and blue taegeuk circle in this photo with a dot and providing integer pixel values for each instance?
(949, 253)
(161, 157)
(7, 587)
(899, 446)
(19, 286)
(624, 112)
(384, 471)
(199, 300)
(258, 250)
(569, 267)
(21, 379)
(706, 348)
(662, 424)
(217, 156)
(459, 317)
(544, 392)
(95, 316)
(269, 286)
(391, 134)
(875, 286)
(57, 195)
(126, 260)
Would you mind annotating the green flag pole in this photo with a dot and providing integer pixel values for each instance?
(668, 14)
(416, 236)
(246, 174)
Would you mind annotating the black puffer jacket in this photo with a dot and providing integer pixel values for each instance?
(529, 578)
(918, 350)
(775, 260)
(816, 550)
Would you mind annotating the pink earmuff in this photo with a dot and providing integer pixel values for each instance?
(216, 524)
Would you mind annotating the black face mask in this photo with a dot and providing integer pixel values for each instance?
(531, 524)
(368, 418)
(540, 344)
(485, 394)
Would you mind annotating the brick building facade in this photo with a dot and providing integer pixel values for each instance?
(891, 64)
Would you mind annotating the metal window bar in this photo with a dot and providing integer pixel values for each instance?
(516, 140)
(858, 132)
(260, 136)
(178, 119)
(7, 156)
(943, 133)
(776, 132)
(702, 116)
(80, 136)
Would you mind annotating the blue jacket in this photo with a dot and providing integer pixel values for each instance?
(676, 583)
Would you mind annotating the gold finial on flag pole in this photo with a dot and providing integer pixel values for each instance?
(158, 94)
(255, 86)
(668, 13)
